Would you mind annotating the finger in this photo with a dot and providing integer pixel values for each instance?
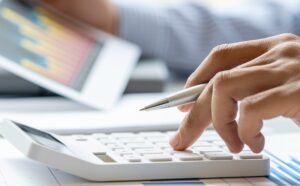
(266, 58)
(195, 121)
(225, 57)
(228, 56)
(283, 100)
(263, 59)
(232, 86)
(275, 53)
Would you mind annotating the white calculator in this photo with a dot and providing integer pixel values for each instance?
(133, 156)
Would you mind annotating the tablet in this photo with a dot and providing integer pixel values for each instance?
(64, 56)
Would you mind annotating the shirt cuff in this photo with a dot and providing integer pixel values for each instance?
(144, 26)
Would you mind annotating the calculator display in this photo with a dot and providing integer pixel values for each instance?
(41, 137)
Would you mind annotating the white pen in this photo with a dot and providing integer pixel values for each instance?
(179, 98)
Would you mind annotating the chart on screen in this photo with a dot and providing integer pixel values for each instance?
(39, 42)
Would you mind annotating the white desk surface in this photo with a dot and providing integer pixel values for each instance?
(64, 116)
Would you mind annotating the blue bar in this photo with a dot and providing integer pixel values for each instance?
(291, 166)
(296, 161)
(295, 168)
(290, 173)
(275, 157)
(275, 180)
(283, 177)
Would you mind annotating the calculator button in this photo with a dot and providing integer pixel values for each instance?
(219, 143)
(170, 133)
(123, 152)
(180, 152)
(132, 140)
(162, 144)
(201, 144)
(168, 148)
(103, 136)
(123, 135)
(151, 134)
(211, 138)
(148, 151)
(203, 150)
(114, 146)
(99, 151)
(158, 139)
(158, 158)
(139, 145)
(80, 137)
(106, 141)
(188, 156)
(250, 155)
(218, 156)
(133, 158)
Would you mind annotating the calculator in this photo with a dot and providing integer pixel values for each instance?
(123, 156)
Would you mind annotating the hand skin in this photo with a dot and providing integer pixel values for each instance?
(100, 14)
(263, 75)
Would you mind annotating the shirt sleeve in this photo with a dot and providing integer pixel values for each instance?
(183, 34)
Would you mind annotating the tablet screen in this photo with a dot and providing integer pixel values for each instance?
(34, 39)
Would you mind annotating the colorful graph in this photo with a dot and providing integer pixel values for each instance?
(38, 41)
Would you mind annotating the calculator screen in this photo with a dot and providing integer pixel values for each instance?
(42, 138)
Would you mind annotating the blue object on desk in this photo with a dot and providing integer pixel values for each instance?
(282, 172)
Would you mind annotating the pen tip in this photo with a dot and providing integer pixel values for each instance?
(142, 109)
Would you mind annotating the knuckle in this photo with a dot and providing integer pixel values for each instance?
(246, 106)
(220, 79)
(288, 71)
(288, 37)
(288, 49)
(220, 50)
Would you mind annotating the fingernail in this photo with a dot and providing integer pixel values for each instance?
(174, 141)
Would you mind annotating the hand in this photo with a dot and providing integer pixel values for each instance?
(263, 75)
(97, 13)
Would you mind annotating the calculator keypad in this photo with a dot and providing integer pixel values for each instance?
(154, 147)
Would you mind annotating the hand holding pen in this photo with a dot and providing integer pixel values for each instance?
(263, 75)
